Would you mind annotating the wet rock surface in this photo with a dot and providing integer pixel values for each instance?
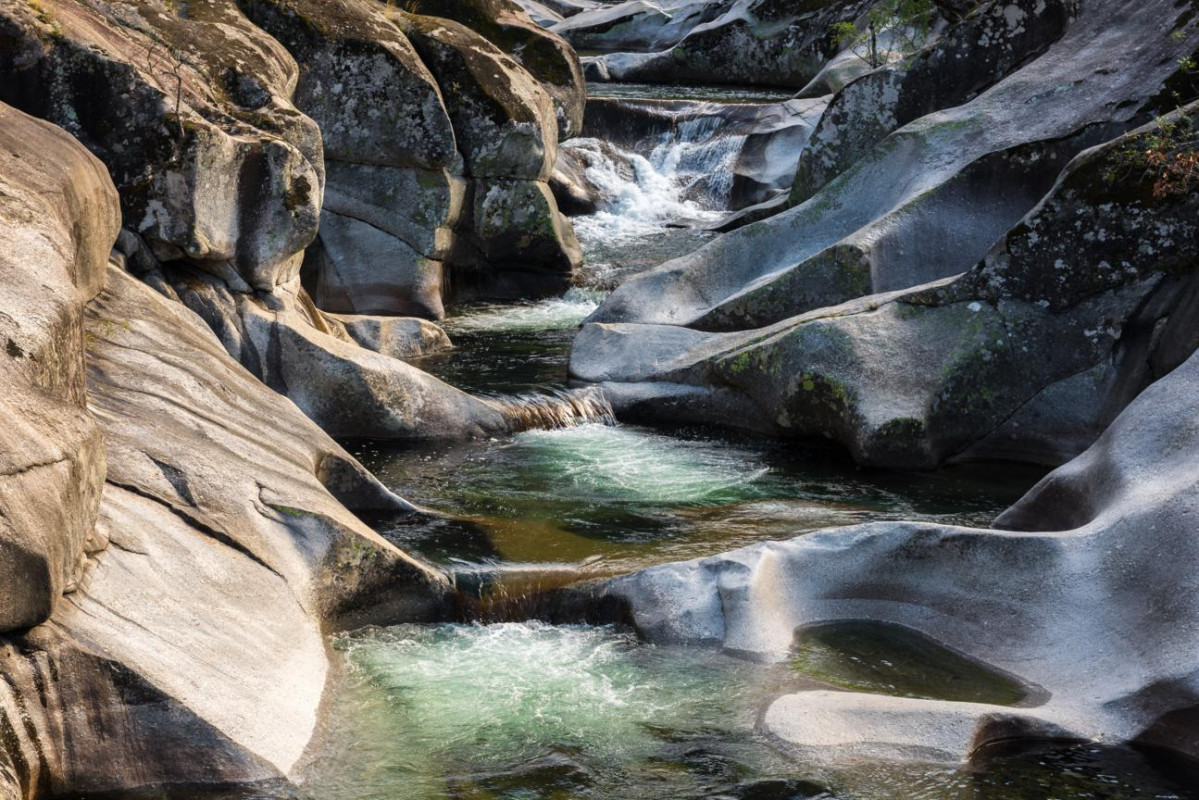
(990, 253)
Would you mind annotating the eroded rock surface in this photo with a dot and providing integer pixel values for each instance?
(169, 587)
(230, 551)
(191, 113)
(436, 132)
(58, 217)
(1084, 589)
(1102, 268)
(930, 199)
(749, 42)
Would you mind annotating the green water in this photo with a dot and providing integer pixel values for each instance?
(529, 711)
(526, 711)
(624, 497)
(886, 659)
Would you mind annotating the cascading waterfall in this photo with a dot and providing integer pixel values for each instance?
(684, 180)
(561, 408)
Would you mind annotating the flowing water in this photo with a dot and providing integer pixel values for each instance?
(528, 711)
(709, 94)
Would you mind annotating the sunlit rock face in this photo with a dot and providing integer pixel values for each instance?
(953, 369)
(229, 549)
(191, 114)
(439, 146)
(954, 69)
(1081, 589)
(58, 217)
(434, 136)
(176, 536)
(544, 55)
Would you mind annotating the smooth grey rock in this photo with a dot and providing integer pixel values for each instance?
(754, 43)
(358, 268)
(417, 109)
(190, 649)
(638, 25)
(544, 54)
(928, 200)
(286, 342)
(958, 369)
(398, 337)
(1085, 589)
(968, 59)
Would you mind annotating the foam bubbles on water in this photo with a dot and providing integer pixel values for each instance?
(508, 691)
(556, 313)
(639, 466)
(685, 180)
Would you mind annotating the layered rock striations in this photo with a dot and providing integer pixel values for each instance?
(176, 536)
(58, 217)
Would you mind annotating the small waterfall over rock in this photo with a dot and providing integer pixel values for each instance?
(557, 593)
(646, 165)
(561, 408)
(685, 180)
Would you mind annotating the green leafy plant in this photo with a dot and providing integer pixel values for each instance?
(1167, 158)
(890, 29)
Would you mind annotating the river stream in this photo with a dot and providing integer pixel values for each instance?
(522, 710)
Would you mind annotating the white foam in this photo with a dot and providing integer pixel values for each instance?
(555, 313)
(631, 465)
(686, 179)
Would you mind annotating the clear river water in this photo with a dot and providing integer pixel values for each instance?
(523, 710)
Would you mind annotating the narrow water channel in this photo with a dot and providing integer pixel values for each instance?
(529, 711)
